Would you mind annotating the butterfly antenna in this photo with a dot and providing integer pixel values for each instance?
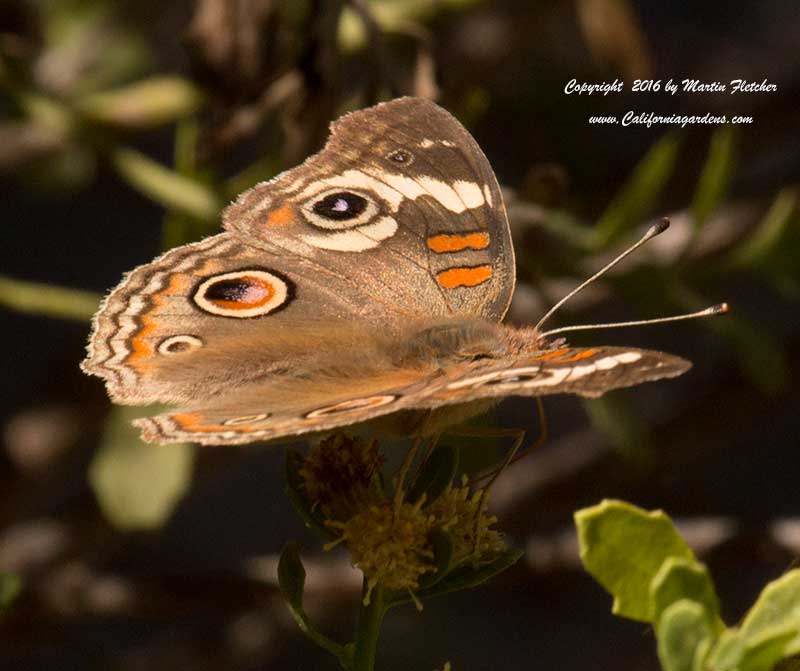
(653, 231)
(719, 309)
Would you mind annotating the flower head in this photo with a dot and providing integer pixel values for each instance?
(461, 514)
(342, 475)
(390, 544)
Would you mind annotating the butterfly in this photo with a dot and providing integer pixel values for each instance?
(369, 282)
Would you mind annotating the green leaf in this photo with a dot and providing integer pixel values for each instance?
(467, 577)
(716, 175)
(144, 104)
(390, 16)
(639, 193)
(138, 485)
(165, 186)
(313, 519)
(623, 547)
(681, 578)
(777, 605)
(764, 633)
(48, 300)
(435, 475)
(291, 580)
(766, 238)
(682, 628)
(292, 575)
(767, 649)
(10, 587)
(442, 557)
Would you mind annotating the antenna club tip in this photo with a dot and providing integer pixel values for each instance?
(661, 226)
(721, 309)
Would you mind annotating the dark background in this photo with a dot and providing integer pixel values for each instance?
(716, 449)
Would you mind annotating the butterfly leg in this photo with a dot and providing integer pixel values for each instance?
(399, 490)
(513, 454)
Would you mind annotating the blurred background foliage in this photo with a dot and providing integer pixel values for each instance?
(125, 129)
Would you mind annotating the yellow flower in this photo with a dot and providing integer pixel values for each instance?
(390, 544)
(462, 516)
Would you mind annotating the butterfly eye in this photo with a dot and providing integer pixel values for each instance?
(401, 156)
(340, 206)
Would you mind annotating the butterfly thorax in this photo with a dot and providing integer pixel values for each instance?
(464, 340)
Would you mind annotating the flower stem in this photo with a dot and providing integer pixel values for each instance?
(368, 629)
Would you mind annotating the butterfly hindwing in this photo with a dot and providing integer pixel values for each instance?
(264, 414)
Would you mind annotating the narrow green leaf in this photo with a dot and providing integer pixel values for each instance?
(715, 178)
(390, 15)
(291, 580)
(623, 547)
(436, 474)
(683, 626)
(10, 587)
(634, 201)
(758, 248)
(442, 557)
(138, 485)
(144, 104)
(165, 186)
(467, 577)
(48, 300)
(682, 578)
(292, 575)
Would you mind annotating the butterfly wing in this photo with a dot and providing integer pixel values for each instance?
(399, 218)
(280, 411)
(209, 316)
(402, 200)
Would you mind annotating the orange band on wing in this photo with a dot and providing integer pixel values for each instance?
(280, 217)
(554, 354)
(190, 421)
(585, 354)
(141, 348)
(456, 243)
(464, 277)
